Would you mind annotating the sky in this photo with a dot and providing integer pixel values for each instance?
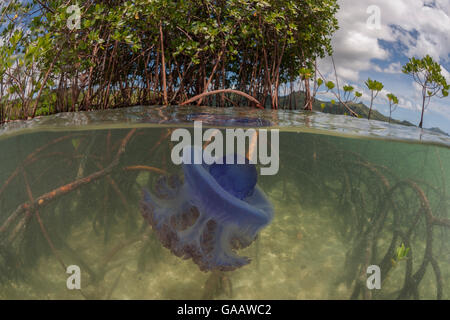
(364, 48)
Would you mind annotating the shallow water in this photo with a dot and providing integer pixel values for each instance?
(347, 195)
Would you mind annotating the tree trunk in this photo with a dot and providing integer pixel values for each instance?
(371, 105)
(308, 100)
(163, 62)
(423, 112)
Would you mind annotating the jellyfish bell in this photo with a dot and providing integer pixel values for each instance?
(237, 179)
(217, 210)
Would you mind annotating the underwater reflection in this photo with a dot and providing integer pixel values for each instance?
(217, 210)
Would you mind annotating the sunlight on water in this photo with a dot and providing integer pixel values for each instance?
(344, 198)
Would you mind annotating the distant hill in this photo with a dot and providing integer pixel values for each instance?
(327, 107)
(437, 130)
(359, 108)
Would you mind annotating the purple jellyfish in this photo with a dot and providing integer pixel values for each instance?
(216, 211)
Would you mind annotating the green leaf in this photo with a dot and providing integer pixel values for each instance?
(348, 88)
(319, 82)
(76, 143)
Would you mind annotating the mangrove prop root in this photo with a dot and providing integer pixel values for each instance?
(240, 93)
(145, 168)
(41, 225)
(366, 242)
(412, 280)
(31, 158)
(50, 196)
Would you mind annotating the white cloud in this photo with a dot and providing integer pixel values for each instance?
(393, 68)
(413, 27)
(446, 74)
(406, 104)
(418, 28)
